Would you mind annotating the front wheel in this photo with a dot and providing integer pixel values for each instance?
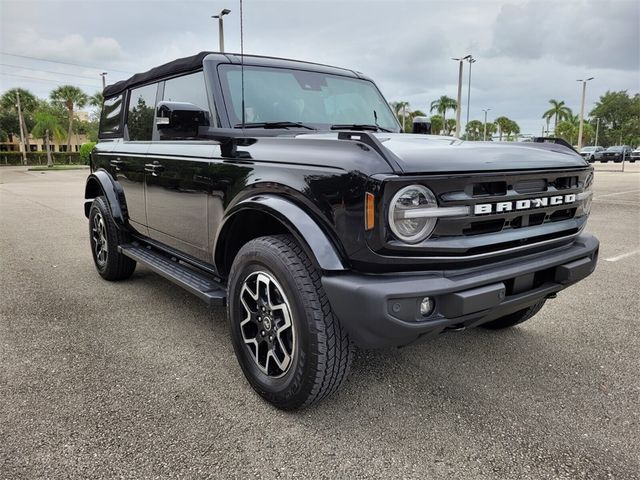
(514, 318)
(290, 346)
(104, 238)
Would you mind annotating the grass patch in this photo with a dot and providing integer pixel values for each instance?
(58, 167)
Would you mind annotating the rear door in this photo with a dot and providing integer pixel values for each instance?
(179, 180)
(129, 157)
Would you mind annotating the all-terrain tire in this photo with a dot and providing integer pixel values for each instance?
(320, 349)
(514, 318)
(105, 238)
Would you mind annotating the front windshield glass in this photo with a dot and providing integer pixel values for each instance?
(316, 99)
(588, 149)
(614, 149)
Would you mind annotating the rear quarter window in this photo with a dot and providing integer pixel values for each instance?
(111, 117)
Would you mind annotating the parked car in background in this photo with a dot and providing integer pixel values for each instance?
(635, 155)
(592, 154)
(616, 153)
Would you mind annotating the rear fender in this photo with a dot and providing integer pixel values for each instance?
(101, 183)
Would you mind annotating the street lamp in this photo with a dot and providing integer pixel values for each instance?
(485, 110)
(458, 109)
(471, 61)
(584, 89)
(104, 82)
(224, 12)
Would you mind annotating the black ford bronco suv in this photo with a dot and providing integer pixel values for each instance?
(287, 191)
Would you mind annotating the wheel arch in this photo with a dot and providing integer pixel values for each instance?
(101, 183)
(269, 215)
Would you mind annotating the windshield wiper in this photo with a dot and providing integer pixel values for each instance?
(359, 126)
(274, 125)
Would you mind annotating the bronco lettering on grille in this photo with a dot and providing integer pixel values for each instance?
(529, 203)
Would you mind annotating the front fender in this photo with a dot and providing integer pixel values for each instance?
(101, 183)
(306, 230)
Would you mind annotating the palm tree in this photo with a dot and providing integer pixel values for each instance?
(474, 130)
(28, 103)
(503, 124)
(96, 100)
(69, 97)
(441, 106)
(47, 124)
(559, 111)
(449, 125)
(436, 124)
(401, 108)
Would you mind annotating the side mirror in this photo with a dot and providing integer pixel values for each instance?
(180, 120)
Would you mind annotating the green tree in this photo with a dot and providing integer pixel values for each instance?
(96, 100)
(491, 131)
(441, 106)
(512, 130)
(28, 104)
(558, 111)
(70, 97)
(503, 124)
(47, 125)
(449, 125)
(9, 123)
(436, 124)
(401, 110)
(619, 115)
(474, 130)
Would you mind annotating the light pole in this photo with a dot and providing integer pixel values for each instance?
(584, 89)
(104, 82)
(484, 137)
(597, 128)
(471, 61)
(459, 100)
(224, 12)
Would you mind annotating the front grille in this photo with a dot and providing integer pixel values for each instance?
(498, 230)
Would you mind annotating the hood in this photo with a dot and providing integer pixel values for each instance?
(432, 154)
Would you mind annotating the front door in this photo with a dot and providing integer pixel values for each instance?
(178, 177)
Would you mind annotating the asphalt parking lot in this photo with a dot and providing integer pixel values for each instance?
(136, 379)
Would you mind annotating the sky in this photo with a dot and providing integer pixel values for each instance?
(527, 51)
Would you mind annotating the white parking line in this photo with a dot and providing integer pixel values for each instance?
(616, 193)
(624, 255)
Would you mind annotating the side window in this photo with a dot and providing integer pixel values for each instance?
(189, 89)
(142, 104)
(111, 116)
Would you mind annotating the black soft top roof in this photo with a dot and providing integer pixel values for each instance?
(194, 63)
(181, 65)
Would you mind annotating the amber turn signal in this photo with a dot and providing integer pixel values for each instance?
(369, 211)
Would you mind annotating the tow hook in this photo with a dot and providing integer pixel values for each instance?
(550, 296)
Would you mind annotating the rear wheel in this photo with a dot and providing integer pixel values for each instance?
(291, 348)
(104, 238)
(514, 318)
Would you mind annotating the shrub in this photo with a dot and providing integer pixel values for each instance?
(40, 158)
(85, 152)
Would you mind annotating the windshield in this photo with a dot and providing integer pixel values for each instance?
(588, 149)
(614, 149)
(312, 98)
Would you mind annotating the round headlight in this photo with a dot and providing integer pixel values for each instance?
(405, 219)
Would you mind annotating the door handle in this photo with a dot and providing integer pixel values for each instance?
(153, 168)
(116, 164)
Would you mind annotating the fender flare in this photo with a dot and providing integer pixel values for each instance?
(305, 229)
(111, 190)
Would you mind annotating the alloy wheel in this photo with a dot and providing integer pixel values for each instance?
(266, 327)
(99, 235)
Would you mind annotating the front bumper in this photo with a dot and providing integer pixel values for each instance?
(382, 310)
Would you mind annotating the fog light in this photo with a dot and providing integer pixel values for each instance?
(426, 306)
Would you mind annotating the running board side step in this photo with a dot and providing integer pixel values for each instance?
(199, 283)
